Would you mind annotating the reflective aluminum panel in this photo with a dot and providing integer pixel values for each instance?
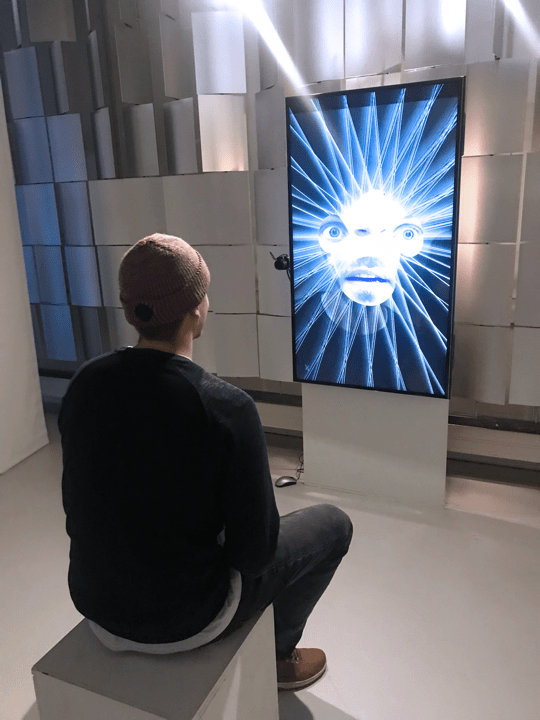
(233, 278)
(528, 288)
(52, 20)
(179, 121)
(218, 43)
(170, 8)
(67, 148)
(31, 274)
(133, 66)
(121, 333)
(274, 286)
(434, 32)
(38, 215)
(91, 331)
(71, 70)
(272, 206)
(373, 33)
(319, 51)
(94, 53)
(235, 339)
(50, 271)
(204, 351)
(524, 377)
(58, 332)
(479, 31)
(22, 76)
(223, 131)
(530, 228)
(171, 56)
(489, 198)
(271, 128)
(31, 154)
(106, 167)
(141, 141)
(109, 259)
(82, 274)
(209, 209)
(275, 348)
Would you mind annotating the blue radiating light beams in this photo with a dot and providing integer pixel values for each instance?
(372, 177)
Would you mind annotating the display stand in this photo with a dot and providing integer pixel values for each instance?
(382, 445)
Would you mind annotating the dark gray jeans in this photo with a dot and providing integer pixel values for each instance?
(311, 545)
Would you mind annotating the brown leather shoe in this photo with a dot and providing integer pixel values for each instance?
(301, 669)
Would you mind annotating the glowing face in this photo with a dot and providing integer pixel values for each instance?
(365, 242)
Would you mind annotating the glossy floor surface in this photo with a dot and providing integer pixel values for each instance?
(431, 616)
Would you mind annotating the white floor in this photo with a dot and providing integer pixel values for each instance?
(429, 617)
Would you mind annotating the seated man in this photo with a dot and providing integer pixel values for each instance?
(176, 539)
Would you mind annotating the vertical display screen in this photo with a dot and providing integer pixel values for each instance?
(373, 201)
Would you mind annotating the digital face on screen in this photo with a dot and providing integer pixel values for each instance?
(372, 180)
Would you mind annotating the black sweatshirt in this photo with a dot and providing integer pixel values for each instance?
(159, 456)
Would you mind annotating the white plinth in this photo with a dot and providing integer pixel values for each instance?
(377, 444)
(235, 679)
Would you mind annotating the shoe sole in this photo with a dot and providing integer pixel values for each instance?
(299, 684)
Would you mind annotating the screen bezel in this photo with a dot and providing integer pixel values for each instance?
(298, 104)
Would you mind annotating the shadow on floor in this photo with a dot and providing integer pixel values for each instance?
(32, 713)
(305, 706)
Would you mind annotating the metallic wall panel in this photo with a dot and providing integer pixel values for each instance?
(479, 31)
(50, 272)
(367, 81)
(82, 274)
(141, 142)
(272, 206)
(209, 209)
(94, 56)
(271, 128)
(434, 32)
(38, 332)
(489, 198)
(109, 259)
(223, 131)
(204, 350)
(236, 345)
(274, 285)
(233, 278)
(67, 148)
(128, 12)
(72, 78)
(74, 213)
(218, 42)
(121, 333)
(58, 332)
(31, 274)
(31, 154)
(530, 227)
(106, 166)
(179, 120)
(38, 215)
(481, 363)
(524, 376)
(485, 281)
(124, 211)
(373, 33)
(90, 321)
(170, 8)
(319, 50)
(133, 66)
(23, 83)
(275, 348)
(495, 105)
(52, 20)
(268, 66)
(528, 288)
(171, 53)
(435, 73)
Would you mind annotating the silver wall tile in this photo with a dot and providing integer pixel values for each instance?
(325, 86)
(72, 78)
(489, 198)
(141, 142)
(91, 331)
(530, 227)
(170, 8)
(52, 20)
(38, 332)
(171, 53)
(74, 213)
(528, 288)
(67, 148)
(373, 33)
(133, 66)
(82, 275)
(209, 209)
(179, 120)
(367, 81)
(271, 128)
(319, 45)
(23, 83)
(268, 66)
(524, 377)
(434, 33)
(31, 274)
(275, 348)
(109, 259)
(223, 132)
(218, 42)
(274, 285)
(31, 154)
(124, 211)
(128, 12)
(236, 345)
(106, 166)
(38, 215)
(495, 105)
(232, 288)
(481, 363)
(435, 73)
(58, 332)
(204, 351)
(121, 333)
(485, 281)
(479, 30)
(95, 53)
(272, 206)
(50, 272)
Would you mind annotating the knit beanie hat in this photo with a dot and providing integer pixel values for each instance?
(161, 277)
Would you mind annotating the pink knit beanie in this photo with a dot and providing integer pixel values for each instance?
(161, 277)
